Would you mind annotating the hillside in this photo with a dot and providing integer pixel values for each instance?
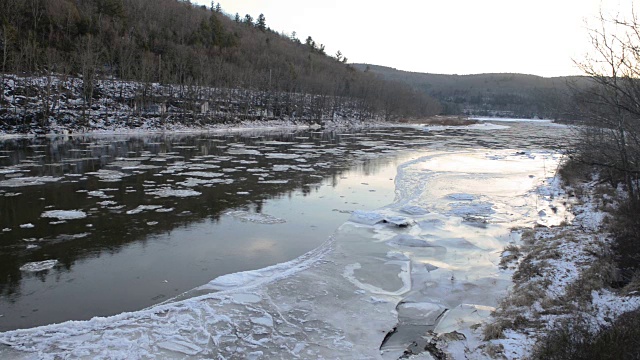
(515, 95)
(199, 51)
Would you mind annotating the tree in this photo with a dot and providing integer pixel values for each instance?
(612, 105)
(248, 19)
(261, 23)
(237, 18)
(339, 55)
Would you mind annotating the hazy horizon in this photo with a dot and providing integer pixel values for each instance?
(462, 37)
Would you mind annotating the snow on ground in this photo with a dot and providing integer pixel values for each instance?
(379, 271)
(553, 278)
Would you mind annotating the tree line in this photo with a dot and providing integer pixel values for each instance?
(177, 42)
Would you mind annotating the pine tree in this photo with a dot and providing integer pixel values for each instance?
(237, 18)
(248, 19)
(261, 23)
(218, 8)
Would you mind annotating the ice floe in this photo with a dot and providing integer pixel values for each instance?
(64, 214)
(39, 266)
(29, 181)
(258, 218)
(174, 193)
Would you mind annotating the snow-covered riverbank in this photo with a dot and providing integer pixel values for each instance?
(60, 105)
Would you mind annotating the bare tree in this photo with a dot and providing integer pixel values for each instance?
(611, 107)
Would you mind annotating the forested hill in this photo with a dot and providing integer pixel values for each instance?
(512, 95)
(182, 44)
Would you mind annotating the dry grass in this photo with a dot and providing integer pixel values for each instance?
(510, 254)
(574, 339)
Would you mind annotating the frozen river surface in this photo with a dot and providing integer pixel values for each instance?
(416, 254)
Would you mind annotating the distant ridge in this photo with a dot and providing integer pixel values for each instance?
(491, 94)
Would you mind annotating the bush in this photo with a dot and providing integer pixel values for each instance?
(572, 340)
(626, 229)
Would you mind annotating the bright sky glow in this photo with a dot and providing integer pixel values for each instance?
(451, 37)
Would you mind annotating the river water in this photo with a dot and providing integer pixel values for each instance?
(100, 225)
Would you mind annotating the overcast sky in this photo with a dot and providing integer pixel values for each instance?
(539, 37)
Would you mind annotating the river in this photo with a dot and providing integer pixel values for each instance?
(403, 223)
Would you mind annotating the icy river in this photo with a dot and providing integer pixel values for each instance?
(289, 244)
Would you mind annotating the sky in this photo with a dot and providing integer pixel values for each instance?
(539, 37)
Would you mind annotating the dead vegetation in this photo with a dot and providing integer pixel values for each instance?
(561, 269)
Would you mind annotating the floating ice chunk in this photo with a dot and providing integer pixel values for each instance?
(461, 197)
(257, 218)
(27, 226)
(282, 156)
(241, 151)
(244, 298)
(108, 175)
(242, 193)
(192, 182)
(38, 266)
(366, 217)
(142, 208)
(64, 214)
(463, 316)
(399, 221)
(202, 174)
(414, 210)
(99, 194)
(266, 320)
(408, 241)
(29, 181)
(420, 313)
(180, 346)
(174, 193)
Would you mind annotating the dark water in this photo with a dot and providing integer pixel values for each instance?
(288, 193)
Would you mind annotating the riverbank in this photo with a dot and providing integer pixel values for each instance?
(563, 299)
(59, 104)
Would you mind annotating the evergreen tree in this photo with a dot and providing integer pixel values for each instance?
(237, 18)
(261, 23)
(218, 8)
(248, 19)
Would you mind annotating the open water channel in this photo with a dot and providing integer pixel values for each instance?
(101, 225)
